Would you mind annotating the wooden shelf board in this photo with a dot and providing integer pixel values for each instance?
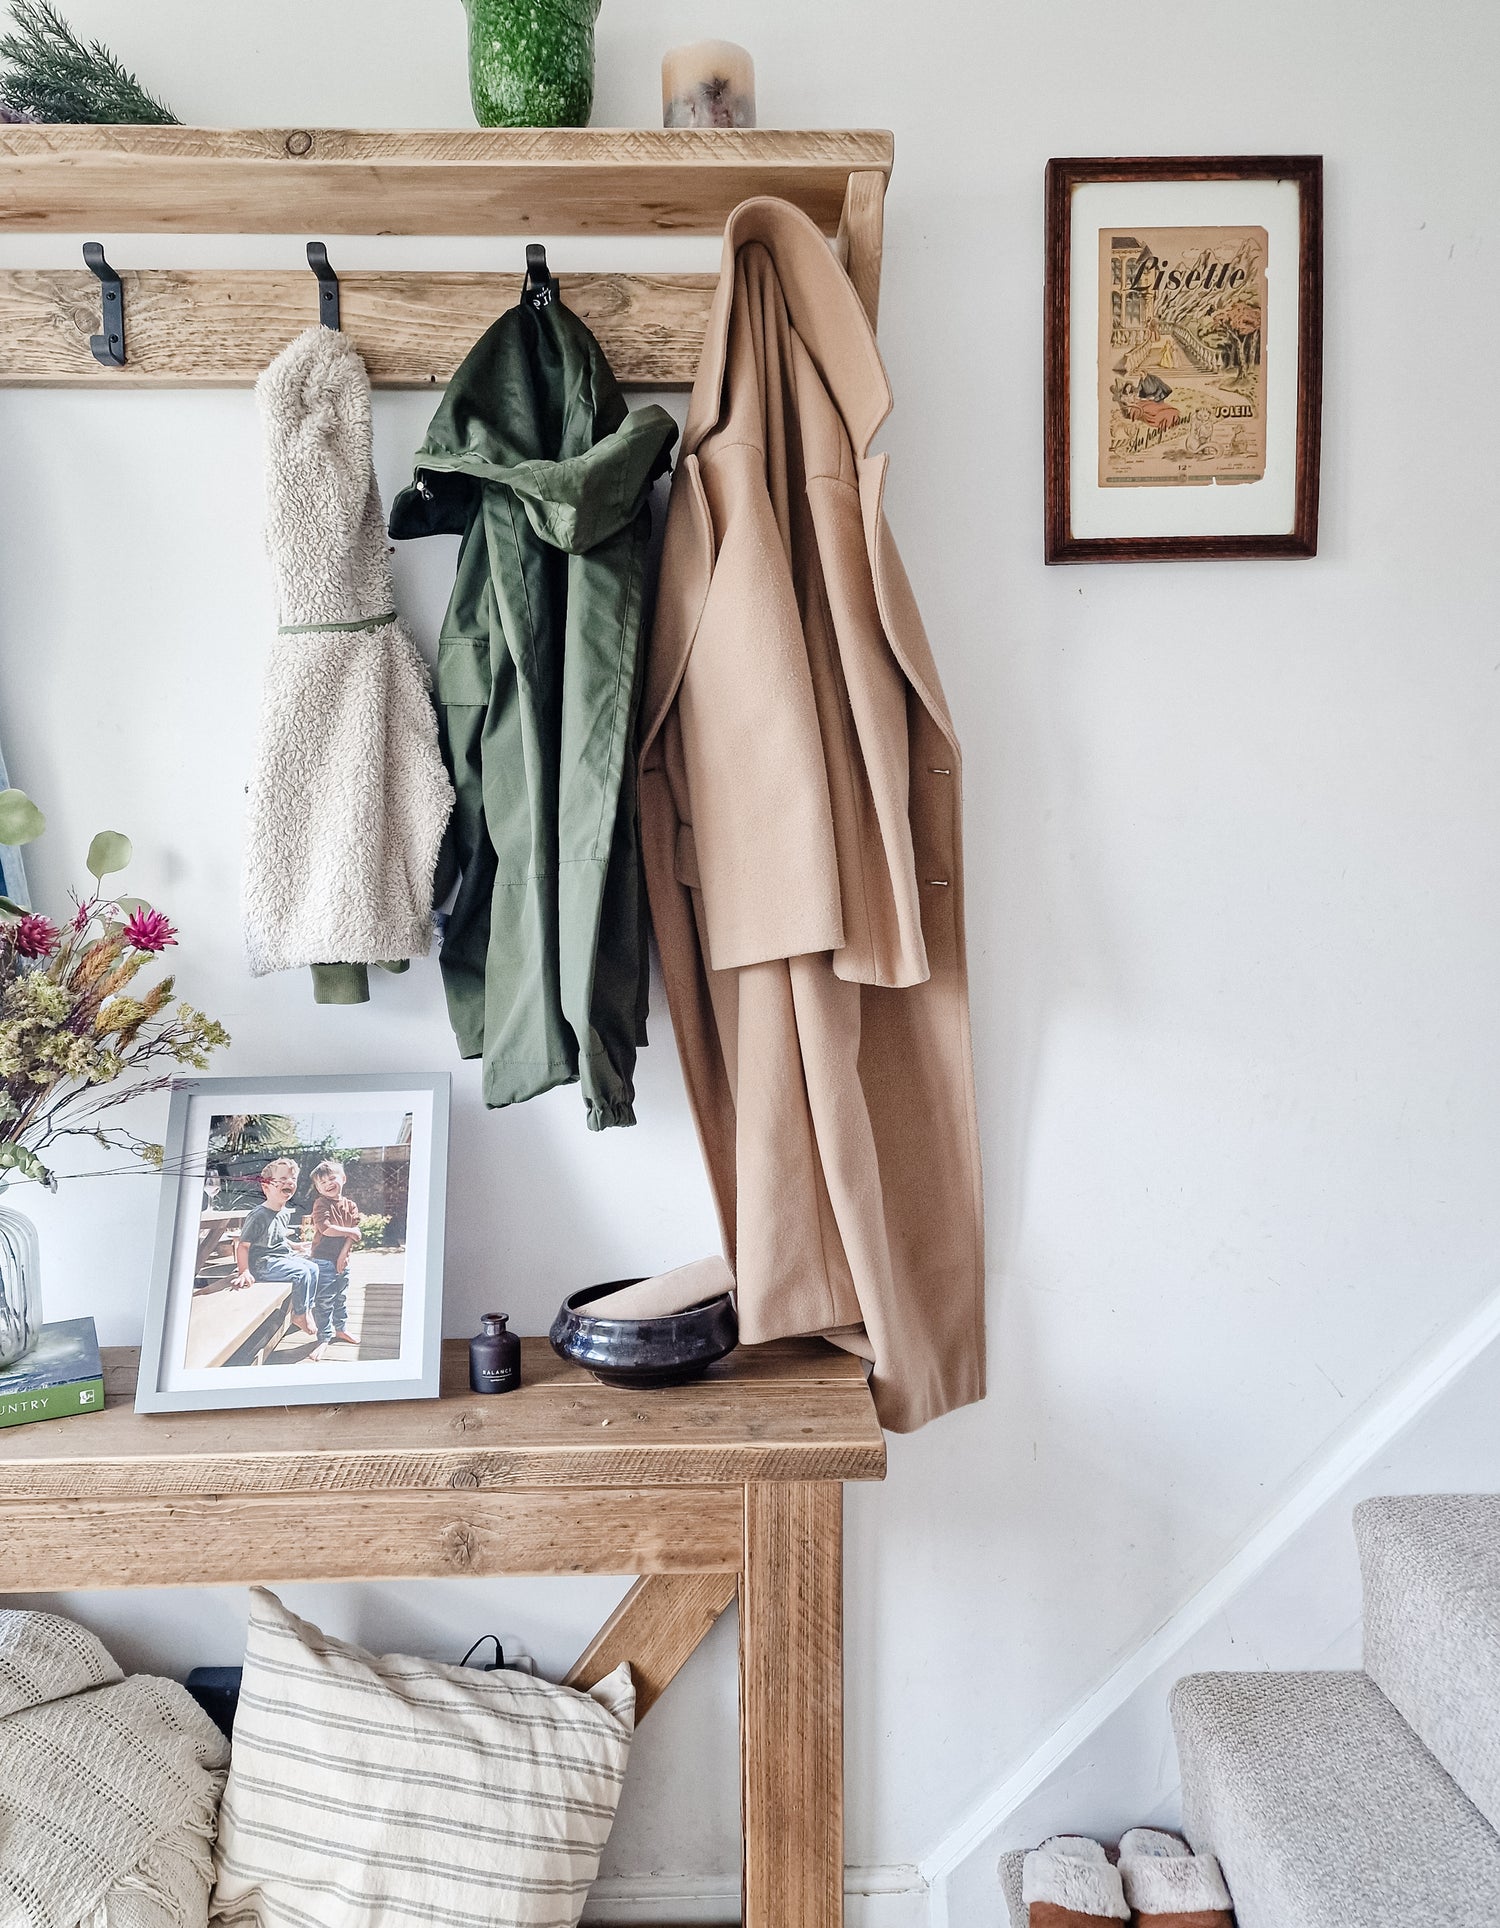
(207, 1540)
(796, 1410)
(219, 328)
(504, 181)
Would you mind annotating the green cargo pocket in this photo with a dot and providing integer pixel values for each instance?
(463, 673)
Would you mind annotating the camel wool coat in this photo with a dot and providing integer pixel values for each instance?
(801, 824)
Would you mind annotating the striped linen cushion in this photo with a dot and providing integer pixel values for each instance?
(371, 1792)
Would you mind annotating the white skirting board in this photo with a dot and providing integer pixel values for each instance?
(1289, 1597)
(890, 1897)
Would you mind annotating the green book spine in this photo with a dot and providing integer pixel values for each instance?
(52, 1402)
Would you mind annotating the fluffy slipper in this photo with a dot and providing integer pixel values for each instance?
(1068, 1883)
(1169, 1886)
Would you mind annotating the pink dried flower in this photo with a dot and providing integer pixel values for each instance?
(36, 936)
(148, 930)
(82, 915)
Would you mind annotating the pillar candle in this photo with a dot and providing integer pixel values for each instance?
(710, 84)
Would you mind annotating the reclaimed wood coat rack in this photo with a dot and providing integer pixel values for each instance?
(730, 1489)
(218, 328)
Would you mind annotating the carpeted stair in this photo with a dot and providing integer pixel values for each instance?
(1324, 1808)
(1431, 1563)
(1010, 1886)
(1316, 1790)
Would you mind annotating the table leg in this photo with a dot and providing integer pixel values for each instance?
(791, 1705)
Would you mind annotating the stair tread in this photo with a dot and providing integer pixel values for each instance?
(1324, 1808)
(1011, 1867)
(1431, 1565)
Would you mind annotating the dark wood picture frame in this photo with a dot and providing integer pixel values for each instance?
(1302, 539)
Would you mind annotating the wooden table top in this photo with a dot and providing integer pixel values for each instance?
(794, 1410)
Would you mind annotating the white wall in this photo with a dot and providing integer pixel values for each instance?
(1290, 1596)
(1232, 835)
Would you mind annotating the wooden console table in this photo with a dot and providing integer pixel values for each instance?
(728, 1488)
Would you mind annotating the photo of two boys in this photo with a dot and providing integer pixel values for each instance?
(318, 1271)
(301, 1241)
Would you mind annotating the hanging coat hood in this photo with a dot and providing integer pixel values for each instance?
(536, 410)
(535, 461)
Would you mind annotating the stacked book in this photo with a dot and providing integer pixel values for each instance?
(60, 1375)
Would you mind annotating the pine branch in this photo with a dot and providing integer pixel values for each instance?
(54, 76)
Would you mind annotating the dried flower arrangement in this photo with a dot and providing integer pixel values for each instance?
(75, 1036)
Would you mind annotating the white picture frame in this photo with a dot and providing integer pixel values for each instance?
(220, 1327)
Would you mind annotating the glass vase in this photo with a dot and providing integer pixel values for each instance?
(20, 1285)
(531, 62)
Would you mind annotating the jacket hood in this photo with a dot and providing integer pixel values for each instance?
(535, 408)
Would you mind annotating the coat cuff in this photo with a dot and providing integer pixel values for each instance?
(341, 984)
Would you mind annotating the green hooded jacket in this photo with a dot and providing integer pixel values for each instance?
(537, 463)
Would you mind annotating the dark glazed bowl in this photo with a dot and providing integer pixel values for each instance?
(644, 1352)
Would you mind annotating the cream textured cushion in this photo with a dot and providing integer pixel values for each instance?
(108, 1786)
(378, 1793)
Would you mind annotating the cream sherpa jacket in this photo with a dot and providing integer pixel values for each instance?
(349, 798)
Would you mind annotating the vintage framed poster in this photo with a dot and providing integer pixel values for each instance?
(1184, 357)
(299, 1253)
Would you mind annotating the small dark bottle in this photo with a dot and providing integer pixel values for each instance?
(494, 1356)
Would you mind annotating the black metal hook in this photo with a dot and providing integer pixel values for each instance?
(328, 284)
(108, 348)
(539, 288)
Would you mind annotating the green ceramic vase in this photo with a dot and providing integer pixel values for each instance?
(531, 62)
